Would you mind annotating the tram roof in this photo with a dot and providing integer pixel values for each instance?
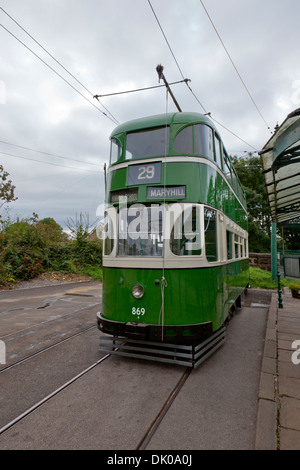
(281, 167)
(162, 120)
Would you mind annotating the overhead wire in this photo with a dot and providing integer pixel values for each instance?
(163, 33)
(46, 153)
(109, 115)
(180, 70)
(171, 50)
(233, 64)
(46, 163)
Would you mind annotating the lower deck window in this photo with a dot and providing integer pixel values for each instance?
(210, 233)
(108, 232)
(229, 244)
(140, 231)
(185, 235)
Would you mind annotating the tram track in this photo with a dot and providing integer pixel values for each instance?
(63, 317)
(51, 395)
(26, 342)
(47, 348)
(155, 424)
(150, 432)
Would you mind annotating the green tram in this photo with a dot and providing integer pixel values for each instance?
(175, 248)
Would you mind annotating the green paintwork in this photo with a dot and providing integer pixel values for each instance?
(176, 121)
(203, 185)
(191, 296)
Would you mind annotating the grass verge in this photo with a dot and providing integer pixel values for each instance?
(259, 278)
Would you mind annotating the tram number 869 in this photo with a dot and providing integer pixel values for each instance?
(138, 311)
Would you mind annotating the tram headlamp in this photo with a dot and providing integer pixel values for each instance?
(137, 291)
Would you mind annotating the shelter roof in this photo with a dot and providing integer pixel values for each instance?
(281, 167)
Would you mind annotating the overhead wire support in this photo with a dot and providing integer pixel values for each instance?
(140, 89)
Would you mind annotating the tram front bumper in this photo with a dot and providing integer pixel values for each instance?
(181, 334)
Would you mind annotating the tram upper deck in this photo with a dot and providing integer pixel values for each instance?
(174, 156)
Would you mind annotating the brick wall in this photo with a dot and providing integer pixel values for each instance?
(260, 260)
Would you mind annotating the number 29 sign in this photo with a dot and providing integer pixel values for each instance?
(144, 174)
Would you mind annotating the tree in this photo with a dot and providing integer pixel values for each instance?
(7, 189)
(51, 230)
(80, 227)
(249, 170)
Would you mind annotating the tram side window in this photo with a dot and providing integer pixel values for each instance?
(183, 142)
(204, 141)
(229, 244)
(227, 167)
(108, 234)
(236, 246)
(115, 151)
(210, 230)
(234, 181)
(185, 234)
(218, 151)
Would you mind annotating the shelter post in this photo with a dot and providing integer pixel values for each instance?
(274, 251)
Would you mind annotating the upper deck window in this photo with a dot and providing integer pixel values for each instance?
(204, 141)
(196, 139)
(184, 142)
(218, 151)
(115, 151)
(147, 143)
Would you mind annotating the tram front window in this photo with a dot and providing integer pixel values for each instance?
(141, 231)
(115, 151)
(147, 143)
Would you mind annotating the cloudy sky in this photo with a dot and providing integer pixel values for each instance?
(54, 135)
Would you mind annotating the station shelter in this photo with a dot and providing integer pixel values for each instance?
(281, 168)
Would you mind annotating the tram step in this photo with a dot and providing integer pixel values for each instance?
(187, 355)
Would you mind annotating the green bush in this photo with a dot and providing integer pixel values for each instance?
(30, 247)
(71, 256)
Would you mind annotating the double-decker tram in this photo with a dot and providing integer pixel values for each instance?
(175, 247)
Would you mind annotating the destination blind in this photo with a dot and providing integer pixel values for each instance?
(167, 192)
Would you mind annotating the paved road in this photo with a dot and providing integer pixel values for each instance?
(113, 406)
(31, 319)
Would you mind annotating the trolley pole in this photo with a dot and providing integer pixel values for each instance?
(159, 70)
